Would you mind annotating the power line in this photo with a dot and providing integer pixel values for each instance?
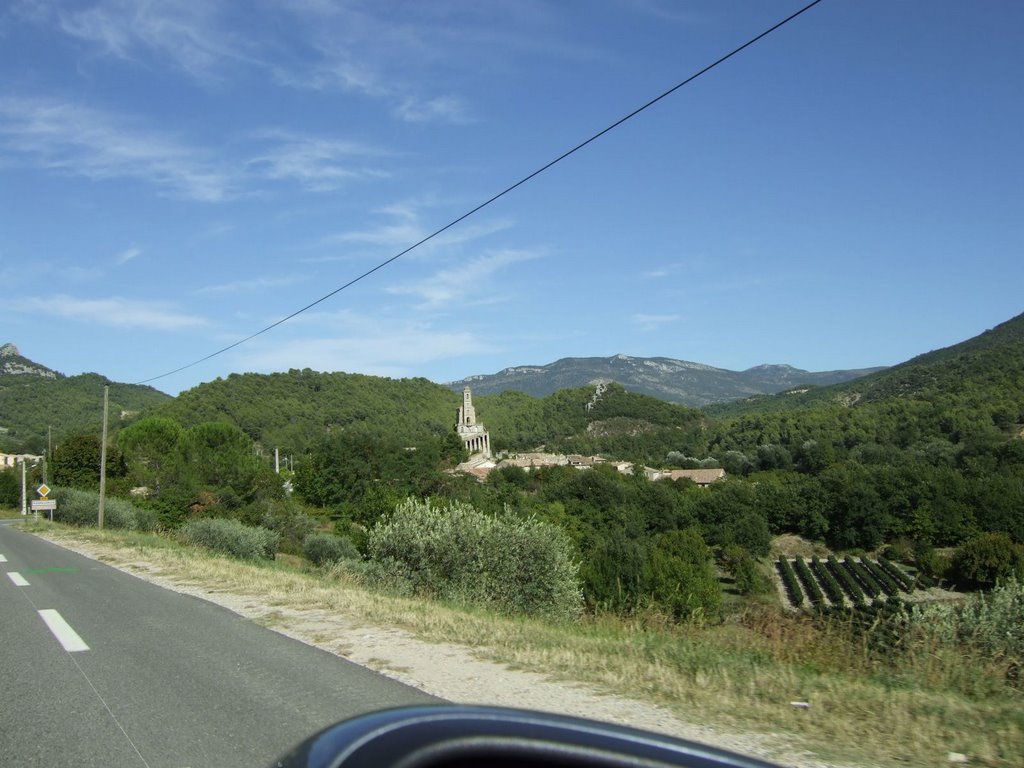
(496, 197)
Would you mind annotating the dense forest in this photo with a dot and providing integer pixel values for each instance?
(68, 404)
(926, 457)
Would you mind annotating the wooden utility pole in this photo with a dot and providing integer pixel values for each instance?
(103, 457)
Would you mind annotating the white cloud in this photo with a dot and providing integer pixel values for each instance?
(116, 312)
(441, 109)
(652, 322)
(189, 35)
(77, 140)
(407, 228)
(82, 141)
(245, 286)
(318, 164)
(128, 254)
(467, 281)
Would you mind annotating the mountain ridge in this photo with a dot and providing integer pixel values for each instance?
(677, 381)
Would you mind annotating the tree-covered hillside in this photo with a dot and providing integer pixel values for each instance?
(293, 410)
(30, 403)
(984, 375)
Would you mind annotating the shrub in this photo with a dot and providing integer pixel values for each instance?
(828, 582)
(749, 578)
(808, 580)
(78, 507)
(904, 582)
(293, 527)
(846, 579)
(75, 507)
(796, 595)
(455, 552)
(988, 626)
(324, 549)
(871, 585)
(231, 537)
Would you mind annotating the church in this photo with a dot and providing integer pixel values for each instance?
(474, 437)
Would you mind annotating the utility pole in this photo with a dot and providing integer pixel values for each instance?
(103, 456)
(24, 506)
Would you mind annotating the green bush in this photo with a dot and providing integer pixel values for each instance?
(454, 552)
(231, 537)
(750, 580)
(292, 525)
(324, 549)
(988, 626)
(75, 507)
(78, 507)
(678, 575)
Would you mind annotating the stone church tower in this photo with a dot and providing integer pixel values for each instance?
(474, 436)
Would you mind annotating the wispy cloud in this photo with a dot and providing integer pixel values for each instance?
(405, 226)
(189, 36)
(70, 138)
(128, 254)
(652, 322)
(446, 109)
(318, 164)
(468, 279)
(116, 312)
(247, 286)
(348, 341)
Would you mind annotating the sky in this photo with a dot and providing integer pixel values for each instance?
(176, 176)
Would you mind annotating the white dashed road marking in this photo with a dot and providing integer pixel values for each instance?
(65, 635)
(17, 578)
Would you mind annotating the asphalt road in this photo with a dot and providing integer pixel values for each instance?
(167, 680)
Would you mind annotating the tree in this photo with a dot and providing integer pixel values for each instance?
(10, 487)
(150, 448)
(679, 576)
(76, 462)
(988, 558)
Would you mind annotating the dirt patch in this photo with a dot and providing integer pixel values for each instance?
(792, 546)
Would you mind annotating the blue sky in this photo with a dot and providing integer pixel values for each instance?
(175, 176)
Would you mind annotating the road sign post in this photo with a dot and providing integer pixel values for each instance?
(44, 504)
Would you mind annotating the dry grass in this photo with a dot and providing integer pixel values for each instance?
(739, 675)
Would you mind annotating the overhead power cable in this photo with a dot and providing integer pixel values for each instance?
(496, 197)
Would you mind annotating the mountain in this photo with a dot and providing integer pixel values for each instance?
(13, 364)
(984, 374)
(34, 398)
(676, 381)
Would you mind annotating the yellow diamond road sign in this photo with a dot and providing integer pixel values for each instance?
(43, 490)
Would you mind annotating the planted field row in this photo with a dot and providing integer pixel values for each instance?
(841, 582)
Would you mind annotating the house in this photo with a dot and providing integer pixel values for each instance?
(702, 477)
(14, 459)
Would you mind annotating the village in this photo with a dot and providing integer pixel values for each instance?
(481, 462)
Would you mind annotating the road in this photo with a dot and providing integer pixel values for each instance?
(137, 675)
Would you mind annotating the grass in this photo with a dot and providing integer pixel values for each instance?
(741, 674)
